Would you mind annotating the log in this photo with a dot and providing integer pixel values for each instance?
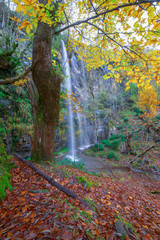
(51, 180)
(141, 154)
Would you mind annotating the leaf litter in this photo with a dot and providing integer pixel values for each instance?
(34, 209)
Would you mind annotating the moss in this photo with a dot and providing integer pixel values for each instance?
(4, 184)
(84, 181)
(5, 167)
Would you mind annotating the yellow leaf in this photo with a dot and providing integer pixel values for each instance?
(19, 8)
(28, 29)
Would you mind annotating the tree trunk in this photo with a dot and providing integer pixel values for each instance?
(48, 82)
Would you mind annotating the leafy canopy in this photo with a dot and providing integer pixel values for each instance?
(121, 34)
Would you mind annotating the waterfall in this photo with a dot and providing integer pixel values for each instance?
(87, 128)
(79, 80)
(68, 86)
(79, 118)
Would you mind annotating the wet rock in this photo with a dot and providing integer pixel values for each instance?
(120, 229)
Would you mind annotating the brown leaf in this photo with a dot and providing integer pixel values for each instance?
(25, 208)
(22, 199)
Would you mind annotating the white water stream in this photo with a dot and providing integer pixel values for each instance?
(68, 85)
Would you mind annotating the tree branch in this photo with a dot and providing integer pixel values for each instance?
(107, 11)
(141, 154)
(17, 78)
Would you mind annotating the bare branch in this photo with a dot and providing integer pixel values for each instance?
(93, 7)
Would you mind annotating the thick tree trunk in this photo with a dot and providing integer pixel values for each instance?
(48, 82)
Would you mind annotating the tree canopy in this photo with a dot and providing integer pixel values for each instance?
(104, 32)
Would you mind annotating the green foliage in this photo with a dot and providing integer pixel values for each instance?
(15, 112)
(123, 138)
(4, 184)
(114, 144)
(104, 141)
(127, 113)
(101, 147)
(114, 141)
(125, 119)
(113, 137)
(67, 162)
(63, 150)
(157, 117)
(92, 152)
(5, 167)
(120, 127)
(112, 155)
(84, 181)
(137, 110)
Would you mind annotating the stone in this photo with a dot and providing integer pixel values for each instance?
(120, 229)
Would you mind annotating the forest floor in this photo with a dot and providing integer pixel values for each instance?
(36, 210)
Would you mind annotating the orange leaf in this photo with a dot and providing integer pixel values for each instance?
(33, 215)
(25, 208)
(22, 199)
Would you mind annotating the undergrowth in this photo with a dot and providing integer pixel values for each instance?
(5, 167)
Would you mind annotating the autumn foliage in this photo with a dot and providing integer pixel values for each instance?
(148, 101)
(36, 210)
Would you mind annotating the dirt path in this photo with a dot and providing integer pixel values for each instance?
(95, 164)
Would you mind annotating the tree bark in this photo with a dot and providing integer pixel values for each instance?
(51, 180)
(48, 82)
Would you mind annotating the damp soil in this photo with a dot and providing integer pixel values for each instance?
(94, 164)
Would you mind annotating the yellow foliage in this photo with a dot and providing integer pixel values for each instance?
(108, 43)
(147, 100)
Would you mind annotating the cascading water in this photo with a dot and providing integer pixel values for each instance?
(79, 79)
(68, 85)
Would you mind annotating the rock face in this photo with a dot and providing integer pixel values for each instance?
(20, 145)
(5, 21)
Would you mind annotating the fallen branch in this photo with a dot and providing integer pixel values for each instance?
(108, 166)
(141, 154)
(51, 180)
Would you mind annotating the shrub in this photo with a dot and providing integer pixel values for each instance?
(114, 144)
(123, 138)
(120, 127)
(137, 110)
(125, 119)
(101, 147)
(115, 137)
(104, 141)
(112, 155)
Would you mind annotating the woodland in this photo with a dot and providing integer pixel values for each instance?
(80, 119)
